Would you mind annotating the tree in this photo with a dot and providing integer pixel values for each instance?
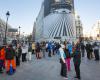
(29, 38)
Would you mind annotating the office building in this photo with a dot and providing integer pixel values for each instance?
(56, 20)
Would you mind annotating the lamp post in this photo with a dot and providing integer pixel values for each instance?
(19, 30)
(19, 33)
(7, 15)
(23, 33)
(23, 36)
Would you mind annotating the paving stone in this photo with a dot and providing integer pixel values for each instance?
(49, 69)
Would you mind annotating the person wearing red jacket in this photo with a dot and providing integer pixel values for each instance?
(2, 58)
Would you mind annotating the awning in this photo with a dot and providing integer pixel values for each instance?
(12, 30)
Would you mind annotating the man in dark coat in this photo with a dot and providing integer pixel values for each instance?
(82, 49)
(96, 51)
(18, 54)
(89, 50)
(77, 59)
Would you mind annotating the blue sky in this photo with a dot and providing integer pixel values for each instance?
(89, 11)
(24, 12)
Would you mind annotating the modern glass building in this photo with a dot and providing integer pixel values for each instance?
(56, 20)
(59, 24)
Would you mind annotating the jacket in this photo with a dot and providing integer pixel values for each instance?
(2, 54)
(33, 45)
(18, 52)
(62, 53)
(10, 53)
(77, 55)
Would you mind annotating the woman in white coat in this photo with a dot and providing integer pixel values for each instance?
(24, 52)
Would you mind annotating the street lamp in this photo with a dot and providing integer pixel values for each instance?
(23, 35)
(7, 15)
(19, 33)
(19, 30)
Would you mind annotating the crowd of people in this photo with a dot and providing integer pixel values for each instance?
(76, 50)
(11, 56)
(67, 51)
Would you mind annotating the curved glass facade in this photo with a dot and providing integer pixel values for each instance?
(61, 23)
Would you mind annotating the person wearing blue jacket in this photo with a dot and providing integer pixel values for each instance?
(70, 47)
(49, 49)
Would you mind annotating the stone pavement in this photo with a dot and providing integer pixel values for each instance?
(49, 69)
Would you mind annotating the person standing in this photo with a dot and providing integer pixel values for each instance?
(33, 47)
(82, 49)
(96, 51)
(46, 46)
(24, 52)
(2, 58)
(63, 62)
(9, 56)
(77, 59)
(70, 47)
(68, 57)
(50, 49)
(18, 54)
(38, 49)
(29, 53)
(89, 50)
(43, 48)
